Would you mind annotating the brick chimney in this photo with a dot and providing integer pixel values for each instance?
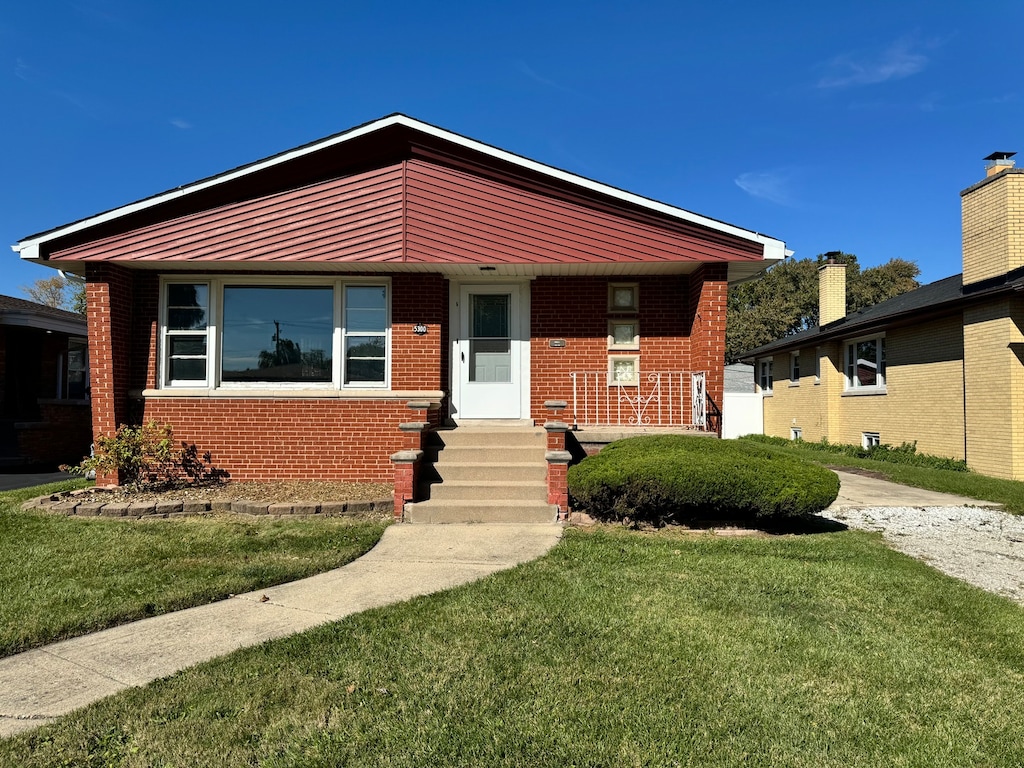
(831, 292)
(992, 213)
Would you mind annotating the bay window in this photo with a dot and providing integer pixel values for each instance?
(234, 332)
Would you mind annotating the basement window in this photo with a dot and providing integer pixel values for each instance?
(870, 439)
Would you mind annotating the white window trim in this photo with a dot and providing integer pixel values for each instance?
(794, 369)
(869, 439)
(817, 365)
(770, 362)
(851, 385)
(796, 433)
(213, 379)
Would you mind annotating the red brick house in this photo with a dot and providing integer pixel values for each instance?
(285, 314)
(44, 385)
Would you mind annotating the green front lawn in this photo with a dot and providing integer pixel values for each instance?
(1009, 493)
(619, 648)
(64, 576)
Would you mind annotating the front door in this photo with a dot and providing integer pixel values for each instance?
(489, 353)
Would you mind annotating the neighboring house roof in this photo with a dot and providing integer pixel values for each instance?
(29, 314)
(327, 162)
(931, 300)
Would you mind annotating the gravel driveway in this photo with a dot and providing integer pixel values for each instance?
(984, 546)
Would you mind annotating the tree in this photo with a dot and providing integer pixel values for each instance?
(58, 293)
(784, 300)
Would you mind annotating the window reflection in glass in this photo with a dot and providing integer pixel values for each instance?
(278, 334)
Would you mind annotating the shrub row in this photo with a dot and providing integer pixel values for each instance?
(904, 453)
(677, 478)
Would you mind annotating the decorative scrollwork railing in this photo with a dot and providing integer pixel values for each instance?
(657, 399)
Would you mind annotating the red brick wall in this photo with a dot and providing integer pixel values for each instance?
(708, 289)
(264, 439)
(109, 295)
(681, 320)
(62, 435)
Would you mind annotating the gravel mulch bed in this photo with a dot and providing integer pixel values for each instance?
(982, 546)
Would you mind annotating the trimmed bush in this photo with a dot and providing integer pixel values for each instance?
(676, 478)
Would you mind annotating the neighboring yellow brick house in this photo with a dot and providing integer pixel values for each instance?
(942, 366)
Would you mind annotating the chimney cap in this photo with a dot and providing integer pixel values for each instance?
(996, 156)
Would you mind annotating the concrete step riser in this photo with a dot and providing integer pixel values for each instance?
(510, 438)
(495, 455)
(454, 512)
(483, 492)
(486, 473)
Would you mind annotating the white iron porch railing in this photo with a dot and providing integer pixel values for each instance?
(658, 399)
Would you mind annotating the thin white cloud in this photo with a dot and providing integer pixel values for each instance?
(773, 186)
(23, 71)
(527, 70)
(902, 59)
(177, 122)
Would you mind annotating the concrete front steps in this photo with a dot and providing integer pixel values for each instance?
(482, 474)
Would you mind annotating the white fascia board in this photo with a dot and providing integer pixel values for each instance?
(771, 246)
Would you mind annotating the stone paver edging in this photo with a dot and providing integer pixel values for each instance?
(66, 503)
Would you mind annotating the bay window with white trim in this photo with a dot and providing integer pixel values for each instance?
(236, 333)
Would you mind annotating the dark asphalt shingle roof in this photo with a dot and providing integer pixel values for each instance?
(933, 297)
(12, 304)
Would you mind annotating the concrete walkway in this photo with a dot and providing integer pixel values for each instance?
(858, 491)
(410, 560)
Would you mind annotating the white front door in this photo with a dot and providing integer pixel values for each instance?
(489, 353)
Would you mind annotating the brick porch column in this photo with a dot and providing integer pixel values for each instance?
(406, 465)
(558, 459)
(109, 299)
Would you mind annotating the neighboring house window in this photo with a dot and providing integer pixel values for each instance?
(765, 375)
(870, 439)
(257, 332)
(794, 369)
(865, 363)
(78, 369)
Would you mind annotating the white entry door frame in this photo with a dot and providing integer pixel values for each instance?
(490, 325)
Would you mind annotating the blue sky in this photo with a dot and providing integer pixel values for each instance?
(832, 126)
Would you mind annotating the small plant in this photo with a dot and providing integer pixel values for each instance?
(144, 456)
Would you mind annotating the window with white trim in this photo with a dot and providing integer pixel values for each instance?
(794, 369)
(236, 332)
(796, 433)
(765, 376)
(870, 439)
(817, 365)
(865, 363)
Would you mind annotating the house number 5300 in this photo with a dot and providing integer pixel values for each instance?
(419, 329)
